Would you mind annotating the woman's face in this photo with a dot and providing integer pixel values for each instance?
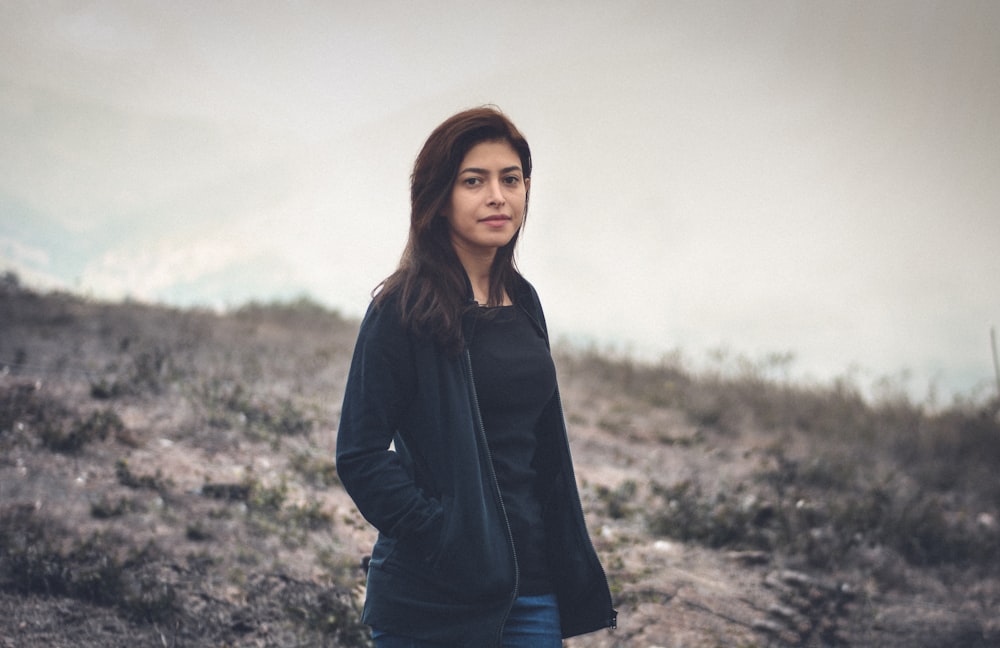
(487, 200)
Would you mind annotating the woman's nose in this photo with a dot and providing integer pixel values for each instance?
(496, 195)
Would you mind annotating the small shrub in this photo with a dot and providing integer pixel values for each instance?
(106, 508)
(287, 420)
(33, 560)
(147, 371)
(149, 482)
(230, 492)
(151, 601)
(25, 409)
(230, 406)
(269, 513)
(688, 515)
(103, 389)
(267, 498)
(197, 533)
(829, 472)
(918, 526)
(92, 573)
(98, 426)
(618, 501)
(310, 516)
(318, 472)
(334, 615)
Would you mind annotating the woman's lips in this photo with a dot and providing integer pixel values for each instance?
(495, 221)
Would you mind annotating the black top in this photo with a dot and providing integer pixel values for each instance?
(515, 378)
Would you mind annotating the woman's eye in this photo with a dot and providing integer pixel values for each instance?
(512, 180)
(471, 182)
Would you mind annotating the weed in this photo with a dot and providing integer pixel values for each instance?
(619, 502)
(333, 615)
(230, 492)
(310, 516)
(25, 409)
(149, 482)
(720, 521)
(19, 404)
(269, 513)
(33, 560)
(147, 371)
(918, 525)
(151, 601)
(329, 612)
(104, 389)
(197, 533)
(267, 499)
(231, 406)
(106, 508)
(98, 426)
(319, 472)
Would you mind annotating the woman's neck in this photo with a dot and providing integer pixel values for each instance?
(481, 286)
(477, 267)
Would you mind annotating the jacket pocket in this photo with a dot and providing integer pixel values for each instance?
(467, 557)
(474, 560)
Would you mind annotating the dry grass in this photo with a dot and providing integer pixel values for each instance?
(839, 471)
(170, 472)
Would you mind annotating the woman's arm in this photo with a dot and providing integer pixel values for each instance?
(381, 384)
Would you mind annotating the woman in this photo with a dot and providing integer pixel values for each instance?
(452, 441)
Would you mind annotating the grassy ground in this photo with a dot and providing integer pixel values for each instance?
(166, 478)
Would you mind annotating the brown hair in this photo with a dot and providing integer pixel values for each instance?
(432, 285)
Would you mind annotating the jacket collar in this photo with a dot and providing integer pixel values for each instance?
(524, 297)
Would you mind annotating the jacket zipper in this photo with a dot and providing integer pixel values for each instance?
(496, 484)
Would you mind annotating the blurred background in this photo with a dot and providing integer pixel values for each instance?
(812, 186)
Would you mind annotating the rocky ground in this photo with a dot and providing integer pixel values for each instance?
(166, 479)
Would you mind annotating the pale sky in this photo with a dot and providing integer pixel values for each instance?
(820, 178)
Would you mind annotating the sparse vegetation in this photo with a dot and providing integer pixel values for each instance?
(924, 506)
(229, 406)
(619, 500)
(319, 472)
(97, 426)
(180, 555)
(150, 482)
(38, 556)
(869, 489)
(171, 473)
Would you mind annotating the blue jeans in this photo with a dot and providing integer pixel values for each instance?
(533, 623)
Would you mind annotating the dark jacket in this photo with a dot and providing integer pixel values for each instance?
(444, 566)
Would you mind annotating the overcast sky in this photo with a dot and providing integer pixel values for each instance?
(820, 178)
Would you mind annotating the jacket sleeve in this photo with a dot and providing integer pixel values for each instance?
(381, 384)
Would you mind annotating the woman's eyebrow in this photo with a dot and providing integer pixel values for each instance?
(486, 171)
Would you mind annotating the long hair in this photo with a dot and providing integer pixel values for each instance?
(432, 284)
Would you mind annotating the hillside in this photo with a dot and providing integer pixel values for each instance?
(167, 479)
